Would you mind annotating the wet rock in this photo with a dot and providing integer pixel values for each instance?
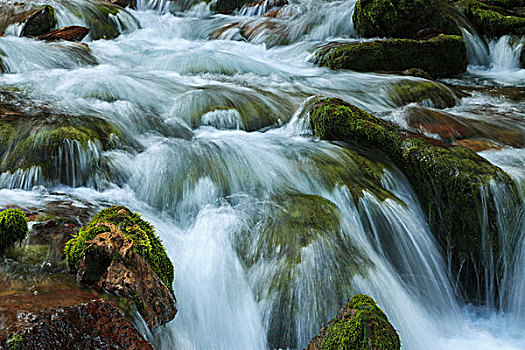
(261, 7)
(440, 56)
(124, 3)
(402, 18)
(492, 20)
(40, 22)
(69, 33)
(477, 145)
(449, 182)
(68, 319)
(418, 73)
(228, 6)
(118, 252)
(360, 324)
(426, 92)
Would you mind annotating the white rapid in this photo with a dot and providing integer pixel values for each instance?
(216, 153)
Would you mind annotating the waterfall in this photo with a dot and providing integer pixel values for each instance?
(270, 230)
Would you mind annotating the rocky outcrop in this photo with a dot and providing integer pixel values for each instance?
(120, 253)
(67, 319)
(360, 324)
(402, 18)
(440, 56)
(426, 92)
(69, 33)
(40, 22)
(449, 182)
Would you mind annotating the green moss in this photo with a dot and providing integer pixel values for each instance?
(449, 182)
(492, 20)
(444, 55)
(506, 3)
(146, 242)
(16, 342)
(368, 329)
(408, 91)
(13, 227)
(401, 18)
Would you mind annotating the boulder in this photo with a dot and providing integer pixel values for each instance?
(120, 253)
(360, 324)
(425, 92)
(69, 33)
(40, 22)
(492, 20)
(402, 18)
(440, 56)
(449, 181)
(227, 6)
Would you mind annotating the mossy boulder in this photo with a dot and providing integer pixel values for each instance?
(401, 18)
(492, 20)
(425, 92)
(146, 243)
(290, 231)
(40, 22)
(449, 181)
(360, 324)
(13, 227)
(441, 56)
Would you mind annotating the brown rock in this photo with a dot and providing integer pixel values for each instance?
(110, 264)
(78, 320)
(477, 145)
(69, 33)
(124, 3)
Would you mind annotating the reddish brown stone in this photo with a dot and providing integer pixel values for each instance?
(69, 33)
(477, 145)
(128, 276)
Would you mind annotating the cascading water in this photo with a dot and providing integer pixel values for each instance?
(213, 148)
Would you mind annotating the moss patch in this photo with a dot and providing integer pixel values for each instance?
(444, 55)
(409, 91)
(365, 327)
(145, 241)
(13, 227)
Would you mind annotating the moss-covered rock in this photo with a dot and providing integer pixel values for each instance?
(13, 227)
(440, 56)
(401, 18)
(426, 92)
(492, 20)
(40, 22)
(146, 243)
(361, 325)
(449, 181)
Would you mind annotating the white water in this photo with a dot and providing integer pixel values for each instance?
(210, 187)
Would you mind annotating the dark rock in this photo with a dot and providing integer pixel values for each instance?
(69, 33)
(228, 6)
(434, 93)
(418, 73)
(402, 18)
(360, 324)
(40, 22)
(124, 3)
(440, 56)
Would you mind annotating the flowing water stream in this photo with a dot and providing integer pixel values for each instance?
(218, 156)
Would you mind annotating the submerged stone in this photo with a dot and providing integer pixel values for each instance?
(360, 324)
(402, 18)
(449, 181)
(441, 56)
